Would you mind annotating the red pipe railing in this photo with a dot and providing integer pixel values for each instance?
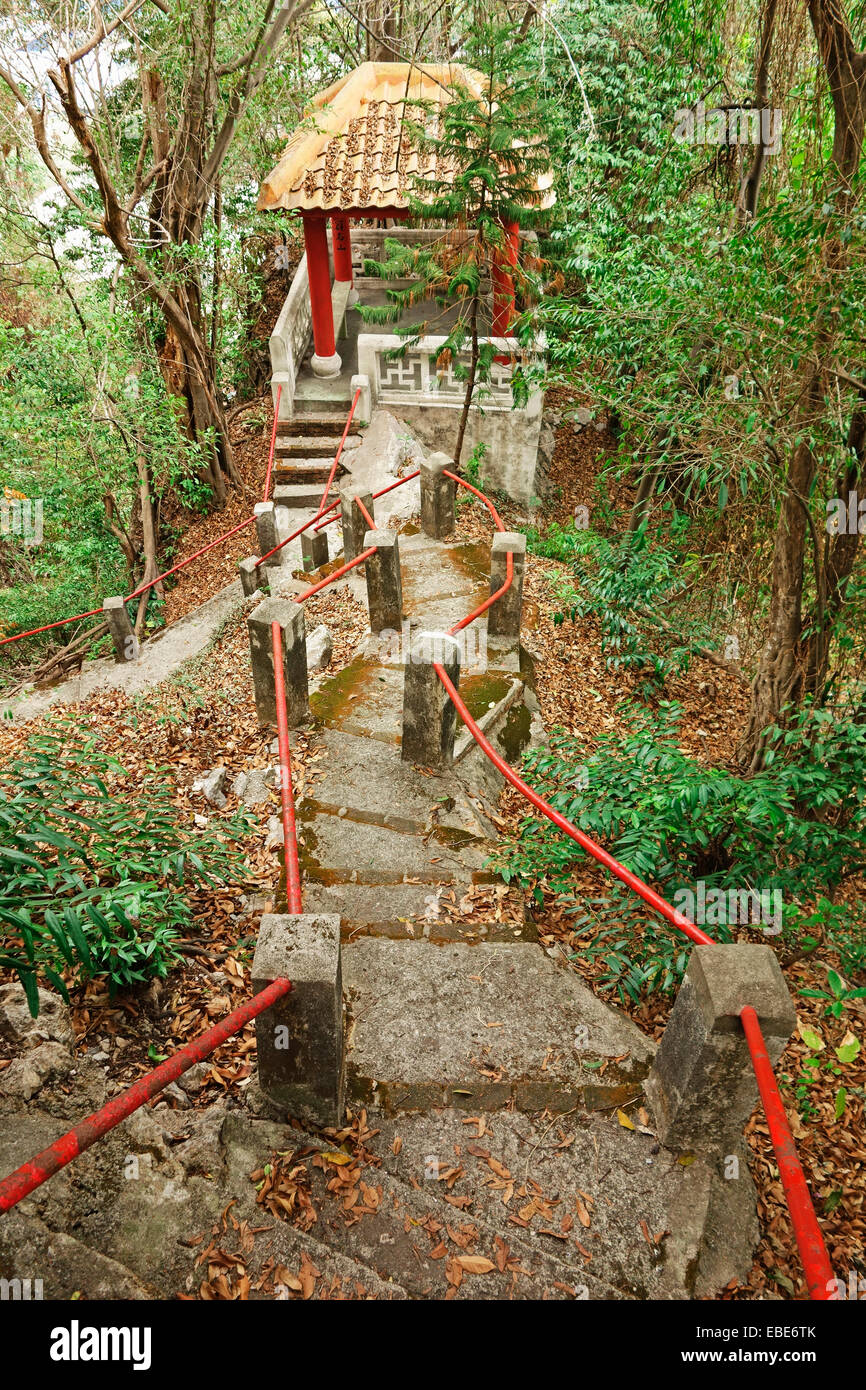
(810, 1241)
(322, 509)
(166, 574)
(37, 1171)
(807, 1232)
(272, 449)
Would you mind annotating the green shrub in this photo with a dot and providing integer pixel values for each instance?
(96, 865)
(622, 582)
(798, 827)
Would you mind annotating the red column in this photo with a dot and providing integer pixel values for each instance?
(503, 281)
(319, 275)
(342, 248)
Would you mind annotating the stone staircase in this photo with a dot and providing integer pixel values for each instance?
(303, 456)
(498, 1143)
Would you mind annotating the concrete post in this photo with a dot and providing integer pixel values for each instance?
(503, 617)
(355, 526)
(702, 1085)
(267, 532)
(249, 574)
(290, 617)
(437, 497)
(300, 1039)
(120, 628)
(314, 549)
(429, 717)
(384, 583)
(364, 408)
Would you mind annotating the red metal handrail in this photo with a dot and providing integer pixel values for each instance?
(807, 1232)
(166, 574)
(322, 509)
(45, 1164)
(810, 1241)
(383, 491)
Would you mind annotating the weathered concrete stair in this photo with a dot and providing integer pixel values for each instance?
(303, 454)
(302, 494)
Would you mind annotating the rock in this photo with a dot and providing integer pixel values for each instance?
(259, 780)
(28, 1074)
(600, 426)
(211, 787)
(582, 416)
(275, 833)
(319, 648)
(18, 1027)
(173, 1091)
(191, 1080)
(239, 785)
(388, 451)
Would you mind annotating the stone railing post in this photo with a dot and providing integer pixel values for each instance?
(702, 1085)
(267, 532)
(364, 408)
(248, 571)
(384, 582)
(120, 628)
(300, 1039)
(503, 617)
(437, 497)
(314, 549)
(290, 617)
(429, 716)
(355, 525)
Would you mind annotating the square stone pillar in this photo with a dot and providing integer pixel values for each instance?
(120, 628)
(249, 575)
(314, 549)
(364, 408)
(437, 497)
(267, 532)
(702, 1085)
(429, 716)
(355, 524)
(290, 617)
(384, 582)
(503, 617)
(300, 1039)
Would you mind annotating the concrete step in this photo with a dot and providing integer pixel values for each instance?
(586, 1174)
(307, 495)
(484, 1026)
(306, 470)
(407, 911)
(312, 445)
(314, 424)
(413, 1237)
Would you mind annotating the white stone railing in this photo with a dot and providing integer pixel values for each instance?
(291, 338)
(414, 380)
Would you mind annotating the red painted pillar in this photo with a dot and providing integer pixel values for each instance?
(326, 362)
(342, 248)
(503, 281)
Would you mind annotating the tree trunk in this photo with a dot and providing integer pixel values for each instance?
(470, 382)
(779, 677)
(785, 669)
(748, 204)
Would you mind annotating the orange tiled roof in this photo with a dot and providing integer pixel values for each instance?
(346, 153)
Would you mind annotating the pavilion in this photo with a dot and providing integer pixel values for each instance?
(352, 160)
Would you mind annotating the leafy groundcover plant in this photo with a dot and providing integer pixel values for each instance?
(798, 827)
(96, 866)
